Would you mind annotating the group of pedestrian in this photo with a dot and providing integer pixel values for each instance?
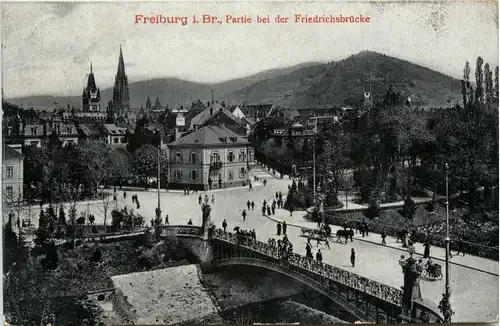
(135, 200)
(250, 205)
(187, 190)
(280, 227)
(362, 227)
(279, 199)
(309, 254)
(205, 199)
(285, 247)
(250, 234)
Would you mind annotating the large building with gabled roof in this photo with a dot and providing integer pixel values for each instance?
(211, 157)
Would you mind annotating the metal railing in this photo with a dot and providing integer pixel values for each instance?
(370, 287)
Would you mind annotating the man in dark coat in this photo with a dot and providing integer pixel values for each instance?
(353, 257)
(278, 229)
(224, 225)
(427, 249)
(248, 205)
(383, 235)
(319, 256)
(244, 214)
(253, 205)
(284, 227)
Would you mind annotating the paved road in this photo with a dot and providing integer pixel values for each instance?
(474, 293)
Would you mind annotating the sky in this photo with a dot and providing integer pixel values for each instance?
(48, 47)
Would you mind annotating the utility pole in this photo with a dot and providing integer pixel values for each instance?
(159, 157)
(444, 305)
(212, 91)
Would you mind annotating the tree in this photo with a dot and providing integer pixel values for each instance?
(96, 159)
(496, 86)
(408, 210)
(467, 92)
(62, 216)
(121, 165)
(479, 81)
(489, 94)
(146, 161)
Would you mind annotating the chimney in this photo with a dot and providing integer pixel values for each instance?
(211, 111)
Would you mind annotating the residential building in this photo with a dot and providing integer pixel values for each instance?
(216, 114)
(115, 136)
(210, 155)
(12, 174)
(257, 111)
(236, 111)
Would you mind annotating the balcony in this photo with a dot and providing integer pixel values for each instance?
(215, 165)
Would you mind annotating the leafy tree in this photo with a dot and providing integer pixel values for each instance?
(62, 216)
(51, 259)
(95, 157)
(408, 210)
(479, 81)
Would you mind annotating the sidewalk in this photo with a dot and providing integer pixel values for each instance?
(473, 262)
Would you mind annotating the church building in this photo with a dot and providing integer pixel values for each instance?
(121, 97)
(91, 95)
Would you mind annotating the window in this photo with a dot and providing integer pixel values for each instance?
(192, 158)
(10, 191)
(214, 157)
(230, 176)
(230, 156)
(242, 157)
(178, 175)
(242, 173)
(193, 175)
(115, 140)
(10, 172)
(178, 157)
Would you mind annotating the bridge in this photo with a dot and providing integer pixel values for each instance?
(364, 299)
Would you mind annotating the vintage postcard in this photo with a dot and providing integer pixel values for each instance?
(246, 162)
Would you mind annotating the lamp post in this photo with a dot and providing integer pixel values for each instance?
(444, 305)
(158, 211)
(314, 170)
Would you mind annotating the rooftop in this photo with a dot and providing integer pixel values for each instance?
(10, 154)
(211, 135)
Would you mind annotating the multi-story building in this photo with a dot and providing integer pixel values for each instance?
(210, 155)
(115, 136)
(12, 174)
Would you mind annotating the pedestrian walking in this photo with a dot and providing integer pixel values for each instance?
(268, 210)
(280, 196)
(206, 199)
(263, 210)
(248, 205)
(460, 247)
(264, 203)
(133, 199)
(166, 220)
(402, 262)
(427, 249)
(124, 195)
(277, 195)
(190, 222)
(210, 183)
(185, 190)
(383, 235)
(200, 200)
(250, 186)
(253, 205)
(284, 228)
(274, 202)
(278, 229)
(244, 214)
(220, 183)
(353, 257)
(291, 210)
(213, 199)
(319, 256)
(308, 251)
(224, 225)
(273, 209)
(138, 204)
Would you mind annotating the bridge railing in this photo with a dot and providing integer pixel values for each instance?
(175, 230)
(373, 288)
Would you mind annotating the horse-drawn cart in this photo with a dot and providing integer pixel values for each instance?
(433, 272)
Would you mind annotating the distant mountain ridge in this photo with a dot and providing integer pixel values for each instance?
(170, 90)
(338, 83)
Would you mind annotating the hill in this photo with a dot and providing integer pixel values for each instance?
(344, 82)
(171, 91)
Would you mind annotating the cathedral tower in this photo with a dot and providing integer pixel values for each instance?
(121, 104)
(91, 95)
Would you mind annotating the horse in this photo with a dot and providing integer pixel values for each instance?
(401, 235)
(344, 233)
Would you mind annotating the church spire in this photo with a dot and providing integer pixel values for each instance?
(90, 66)
(121, 64)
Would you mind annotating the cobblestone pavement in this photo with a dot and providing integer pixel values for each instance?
(474, 293)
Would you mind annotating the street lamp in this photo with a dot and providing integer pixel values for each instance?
(444, 305)
(158, 209)
(314, 170)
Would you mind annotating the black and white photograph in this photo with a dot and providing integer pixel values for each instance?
(250, 162)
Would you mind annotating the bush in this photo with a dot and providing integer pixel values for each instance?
(365, 180)
(408, 210)
(96, 256)
(51, 259)
(148, 258)
(373, 209)
(94, 229)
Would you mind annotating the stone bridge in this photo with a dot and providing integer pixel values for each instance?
(364, 299)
